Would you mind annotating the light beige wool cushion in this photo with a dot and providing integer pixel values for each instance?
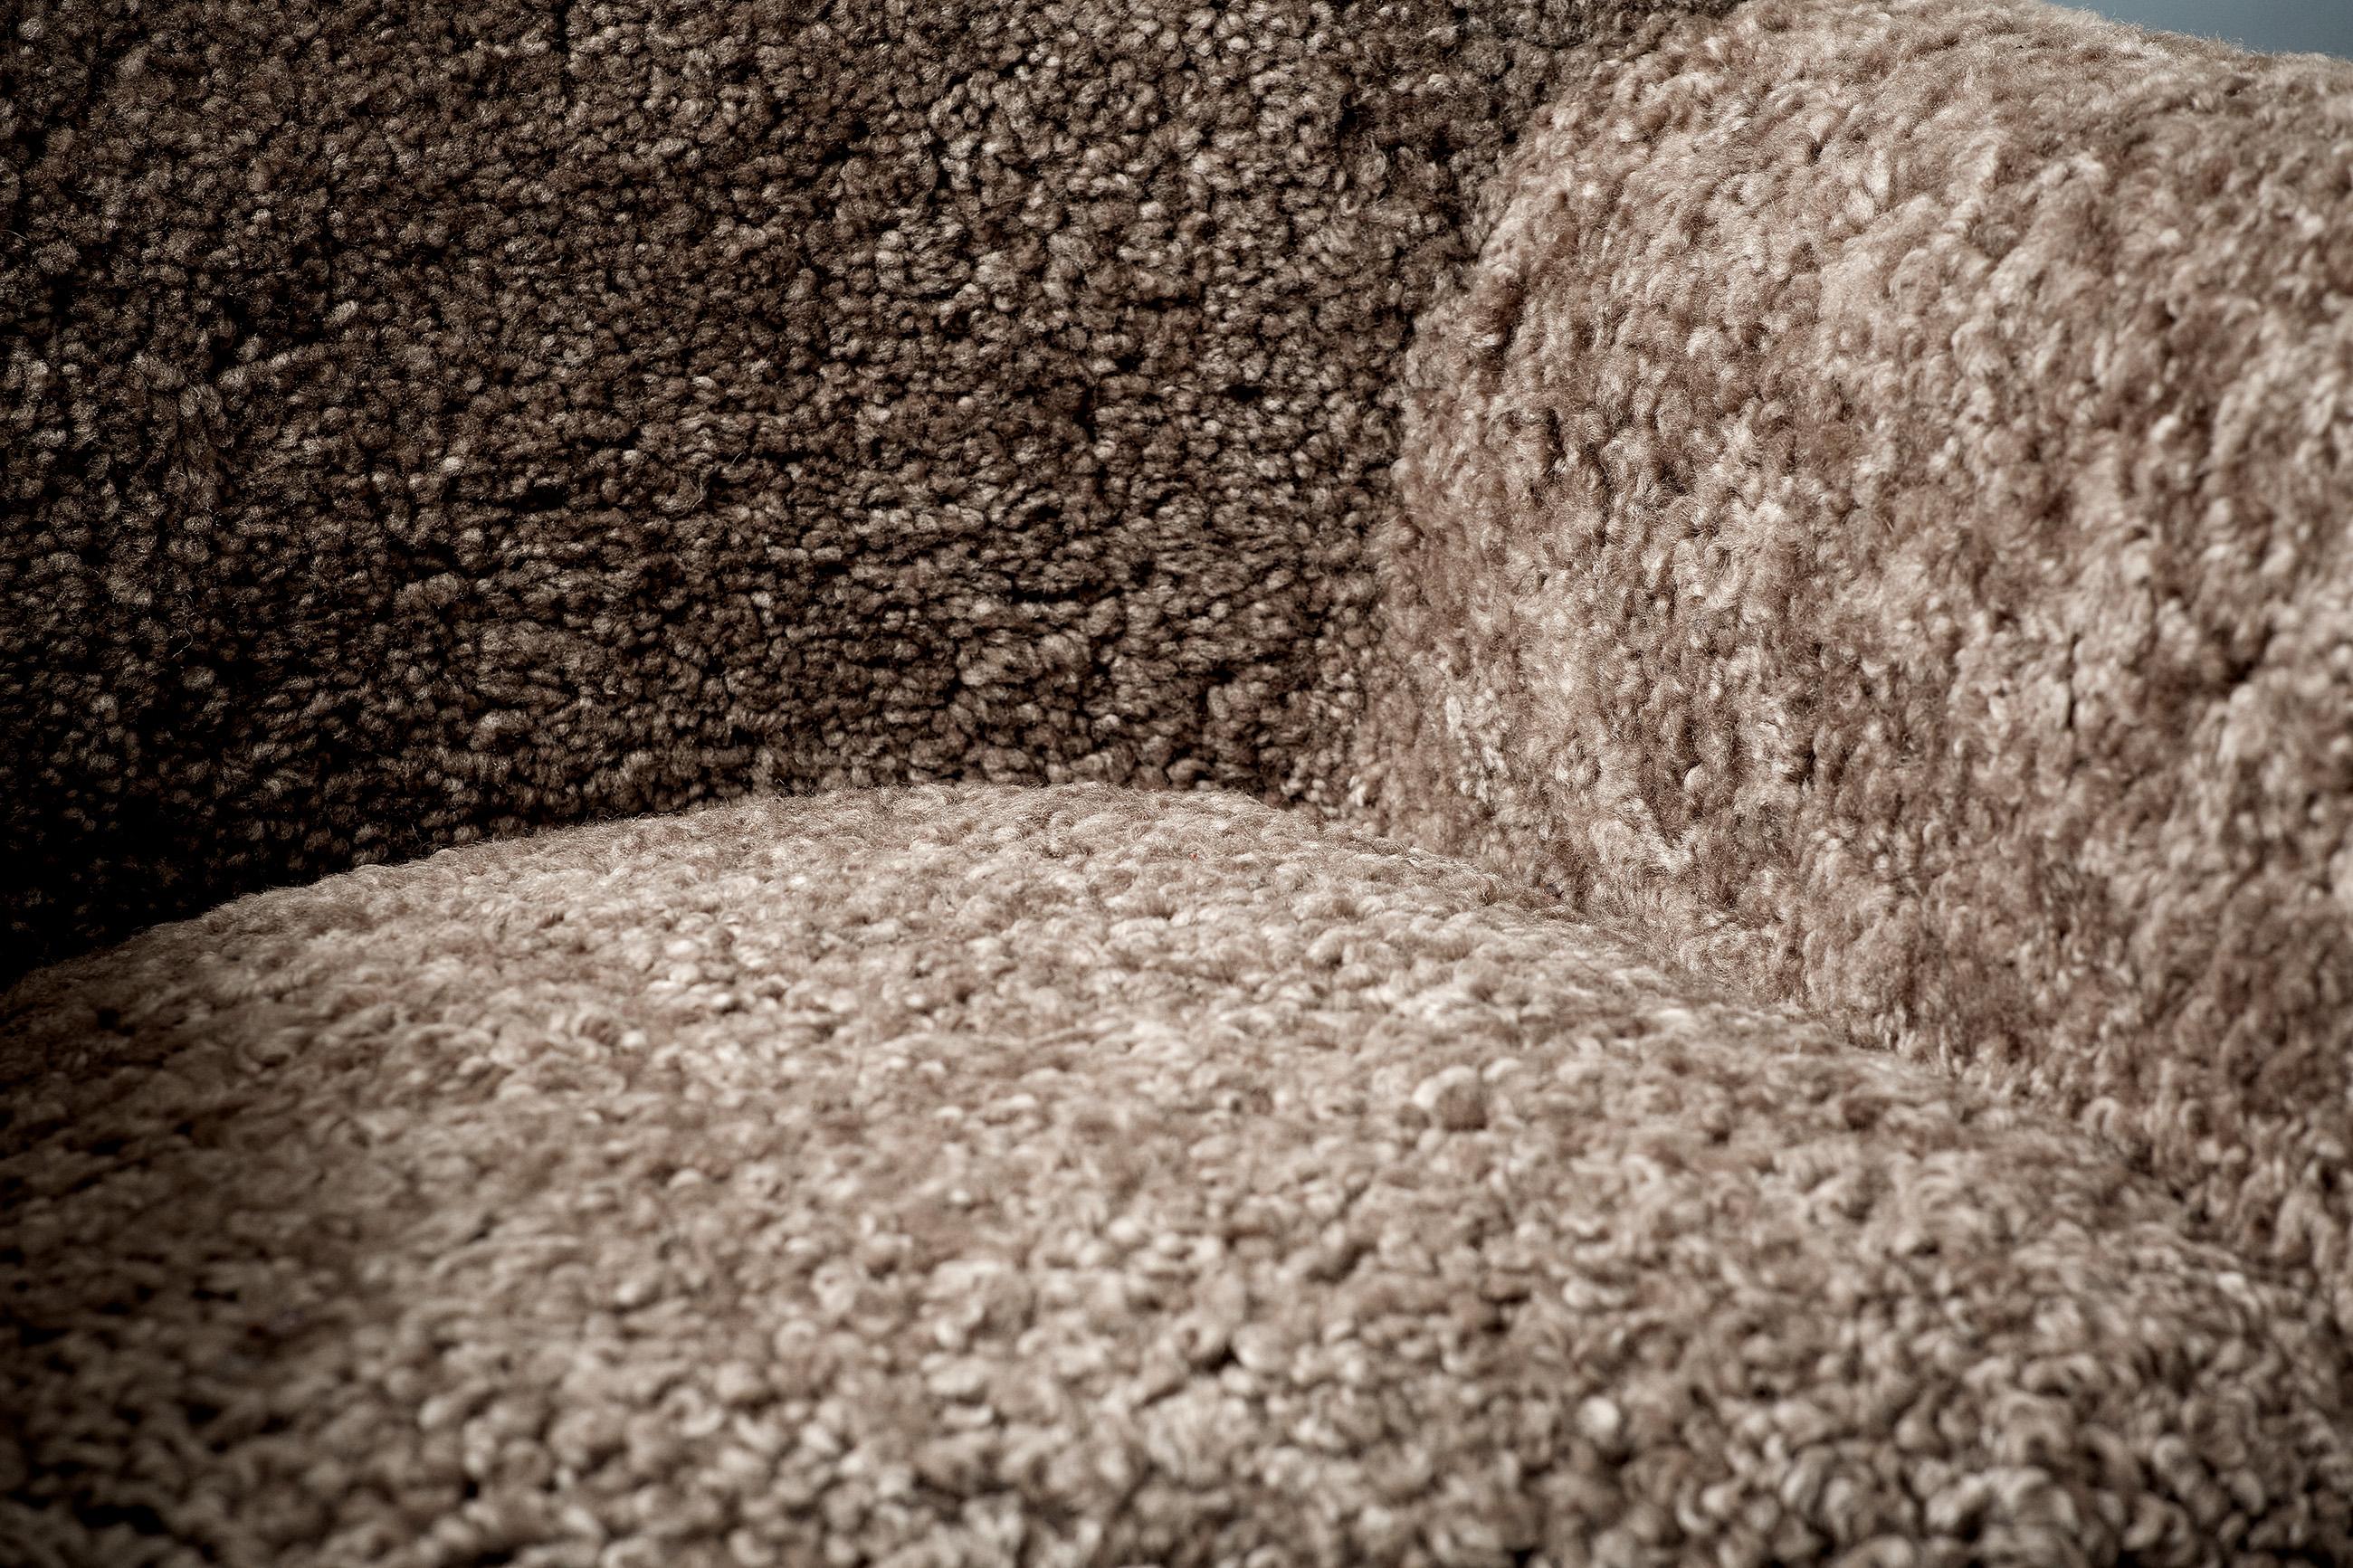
(1075, 1175)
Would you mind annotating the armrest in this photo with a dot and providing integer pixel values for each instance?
(1877, 514)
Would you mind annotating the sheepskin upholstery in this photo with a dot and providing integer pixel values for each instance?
(1538, 782)
(1877, 515)
(1076, 1175)
(439, 420)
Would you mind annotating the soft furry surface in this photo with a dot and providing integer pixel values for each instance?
(1074, 1176)
(1877, 517)
(430, 420)
(1866, 596)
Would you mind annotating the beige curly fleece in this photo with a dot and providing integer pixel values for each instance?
(1619, 746)
(1076, 1175)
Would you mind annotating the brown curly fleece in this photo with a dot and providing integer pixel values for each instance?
(1841, 1056)
(433, 420)
(1877, 515)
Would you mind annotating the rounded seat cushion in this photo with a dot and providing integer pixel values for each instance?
(1069, 1175)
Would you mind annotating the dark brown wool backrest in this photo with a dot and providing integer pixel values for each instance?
(431, 421)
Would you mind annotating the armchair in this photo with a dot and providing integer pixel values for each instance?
(1480, 783)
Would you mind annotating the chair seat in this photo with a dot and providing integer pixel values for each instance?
(1069, 1175)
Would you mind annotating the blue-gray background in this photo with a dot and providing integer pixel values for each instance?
(2323, 24)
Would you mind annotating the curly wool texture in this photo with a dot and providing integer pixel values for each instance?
(1865, 534)
(426, 421)
(1875, 516)
(1075, 1175)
